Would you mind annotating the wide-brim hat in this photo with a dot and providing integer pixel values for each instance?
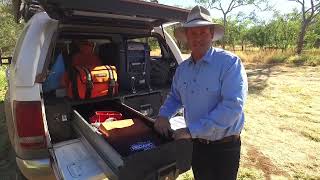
(198, 17)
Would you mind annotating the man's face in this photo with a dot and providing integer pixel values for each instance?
(199, 38)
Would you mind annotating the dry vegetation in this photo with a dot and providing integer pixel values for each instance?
(256, 56)
(281, 139)
(282, 132)
(308, 57)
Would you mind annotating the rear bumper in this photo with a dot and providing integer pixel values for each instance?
(36, 169)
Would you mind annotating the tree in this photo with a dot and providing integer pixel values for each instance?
(237, 28)
(227, 6)
(283, 30)
(9, 30)
(309, 12)
(258, 35)
(312, 37)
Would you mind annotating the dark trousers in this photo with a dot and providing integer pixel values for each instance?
(216, 161)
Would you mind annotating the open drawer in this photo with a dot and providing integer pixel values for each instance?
(167, 158)
(76, 160)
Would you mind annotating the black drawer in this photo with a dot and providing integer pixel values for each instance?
(147, 104)
(166, 160)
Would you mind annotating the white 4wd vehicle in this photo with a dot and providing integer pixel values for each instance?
(51, 133)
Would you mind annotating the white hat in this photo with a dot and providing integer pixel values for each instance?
(197, 17)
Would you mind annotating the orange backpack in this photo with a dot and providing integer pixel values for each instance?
(90, 82)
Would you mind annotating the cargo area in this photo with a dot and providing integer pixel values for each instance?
(122, 147)
(144, 68)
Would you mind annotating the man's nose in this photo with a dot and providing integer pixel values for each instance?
(197, 35)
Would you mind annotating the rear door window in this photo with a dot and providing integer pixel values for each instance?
(154, 45)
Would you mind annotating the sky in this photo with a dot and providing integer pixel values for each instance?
(283, 6)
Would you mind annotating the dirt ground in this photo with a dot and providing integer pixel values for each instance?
(7, 161)
(281, 139)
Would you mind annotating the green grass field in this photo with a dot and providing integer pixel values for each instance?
(281, 138)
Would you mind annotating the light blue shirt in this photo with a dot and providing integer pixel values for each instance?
(212, 93)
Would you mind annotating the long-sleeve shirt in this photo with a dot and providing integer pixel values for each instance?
(212, 92)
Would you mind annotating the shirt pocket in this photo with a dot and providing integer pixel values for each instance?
(211, 90)
(211, 95)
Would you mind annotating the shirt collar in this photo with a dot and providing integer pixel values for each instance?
(206, 58)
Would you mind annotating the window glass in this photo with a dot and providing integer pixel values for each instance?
(155, 50)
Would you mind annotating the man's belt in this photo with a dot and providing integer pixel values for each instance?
(232, 138)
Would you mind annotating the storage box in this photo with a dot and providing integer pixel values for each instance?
(101, 116)
(163, 158)
(137, 67)
(147, 104)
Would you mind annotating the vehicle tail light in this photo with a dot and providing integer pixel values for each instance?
(29, 122)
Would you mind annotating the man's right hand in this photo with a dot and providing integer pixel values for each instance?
(162, 125)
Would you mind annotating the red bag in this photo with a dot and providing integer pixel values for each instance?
(101, 116)
(91, 82)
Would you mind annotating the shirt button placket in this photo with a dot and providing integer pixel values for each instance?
(196, 73)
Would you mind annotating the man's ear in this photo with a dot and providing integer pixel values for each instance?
(212, 32)
(185, 32)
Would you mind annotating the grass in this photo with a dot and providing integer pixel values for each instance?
(281, 138)
(308, 57)
(3, 83)
(155, 52)
(3, 86)
(283, 122)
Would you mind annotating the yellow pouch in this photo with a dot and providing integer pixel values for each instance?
(109, 125)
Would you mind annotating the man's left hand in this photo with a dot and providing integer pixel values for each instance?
(181, 134)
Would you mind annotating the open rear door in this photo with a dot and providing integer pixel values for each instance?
(126, 13)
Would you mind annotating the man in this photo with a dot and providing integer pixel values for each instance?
(211, 86)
